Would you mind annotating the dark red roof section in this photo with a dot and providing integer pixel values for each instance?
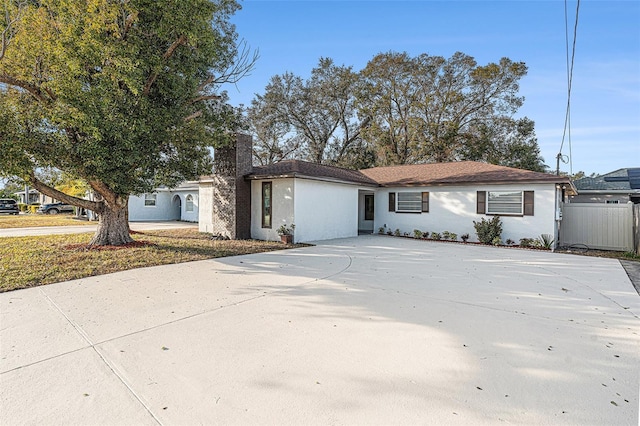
(300, 168)
(461, 172)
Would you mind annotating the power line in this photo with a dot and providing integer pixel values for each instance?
(567, 119)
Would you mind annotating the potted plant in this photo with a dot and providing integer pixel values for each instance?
(286, 233)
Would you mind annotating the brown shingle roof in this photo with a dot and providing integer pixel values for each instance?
(298, 168)
(461, 172)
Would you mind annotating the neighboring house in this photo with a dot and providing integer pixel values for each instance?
(618, 187)
(180, 203)
(35, 197)
(327, 202)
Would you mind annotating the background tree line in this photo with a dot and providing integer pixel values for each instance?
(397, 110)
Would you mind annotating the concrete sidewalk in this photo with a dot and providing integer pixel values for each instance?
(79, 229)
(367, 330)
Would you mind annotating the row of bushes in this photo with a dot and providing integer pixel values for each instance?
(488, 232)
(28, 208)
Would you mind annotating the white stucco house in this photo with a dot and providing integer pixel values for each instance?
(328, 202)
(180, 203)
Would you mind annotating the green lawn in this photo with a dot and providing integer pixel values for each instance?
(34, 261)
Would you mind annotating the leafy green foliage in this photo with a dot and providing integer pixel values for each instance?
(123, 95)
(488, 230)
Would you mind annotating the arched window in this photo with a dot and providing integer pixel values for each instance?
(189, 203)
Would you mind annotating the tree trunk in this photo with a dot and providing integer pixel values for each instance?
(113, 225)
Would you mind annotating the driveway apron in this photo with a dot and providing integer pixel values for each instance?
(366, 330)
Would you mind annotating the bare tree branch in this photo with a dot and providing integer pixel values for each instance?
(9, 30)
(241, 67)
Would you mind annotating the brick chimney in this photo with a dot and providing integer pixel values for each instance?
(225, 196)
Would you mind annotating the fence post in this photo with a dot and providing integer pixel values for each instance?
(636, 228)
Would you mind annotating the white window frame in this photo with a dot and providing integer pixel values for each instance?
(518, 203)
(417, 201)
(189, 203)
(150, 200)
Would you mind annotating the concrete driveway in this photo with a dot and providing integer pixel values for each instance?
(368, 330)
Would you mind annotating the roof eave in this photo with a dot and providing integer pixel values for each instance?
(308, 177)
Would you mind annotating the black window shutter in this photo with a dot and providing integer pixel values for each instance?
(528, 203)
(392, 201)
(481, 202)
(425, 202)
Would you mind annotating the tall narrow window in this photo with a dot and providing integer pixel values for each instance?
(189, 203)
(266, 204)
(392, 201)
(368, 207)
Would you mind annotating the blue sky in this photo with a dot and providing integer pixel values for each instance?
(605, 102)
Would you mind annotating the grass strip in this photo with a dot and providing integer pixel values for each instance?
(33, 261)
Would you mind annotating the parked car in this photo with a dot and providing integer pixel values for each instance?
(9, 205)
(55, 208)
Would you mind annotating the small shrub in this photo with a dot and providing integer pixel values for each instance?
(436, 236)
(510, 242)
(425, 235)
(33, 208)
(445, 235)
(405, 234)
(464, 237)
(453, 236)
(497, 241)
(488, 230)
(389, 232)
(526, 242)
(286, 230)
(396, 232)
(417, 233)
(546, 241)
(22, 207)
(381, 230)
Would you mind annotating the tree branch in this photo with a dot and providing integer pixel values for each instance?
(193, 116)
(152, 78)
(34, 90)
(58, 195)
(241, 67)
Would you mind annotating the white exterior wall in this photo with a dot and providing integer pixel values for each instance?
(205, 209)
(453, 209)
(282, 208)
(320, 210)
(164, 208)
(325, 210)
(184, 214)
(161, 211)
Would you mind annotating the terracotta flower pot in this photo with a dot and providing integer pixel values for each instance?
(286, 239)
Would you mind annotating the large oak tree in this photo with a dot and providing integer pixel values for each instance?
(121, 93)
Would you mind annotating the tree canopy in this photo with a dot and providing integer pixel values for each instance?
(400, 110)
(122, 94)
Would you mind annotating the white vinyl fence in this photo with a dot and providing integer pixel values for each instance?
(598, 226)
